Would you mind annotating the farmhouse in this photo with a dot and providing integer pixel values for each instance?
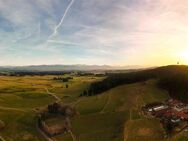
(160, 107)
(155, 108)
(171, 110)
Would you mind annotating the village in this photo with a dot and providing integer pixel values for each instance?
(172, 113)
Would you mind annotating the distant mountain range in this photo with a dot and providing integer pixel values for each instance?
(66, 67)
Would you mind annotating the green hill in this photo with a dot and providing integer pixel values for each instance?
(174, 79)
(107, 116)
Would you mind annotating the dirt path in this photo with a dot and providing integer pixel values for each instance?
(70, 129)
(67, 119)
(107, 103)
(2, 139)
(53, 95)
(72, 135)
(75, 103)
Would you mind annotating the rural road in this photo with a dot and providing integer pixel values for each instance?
(53, 95)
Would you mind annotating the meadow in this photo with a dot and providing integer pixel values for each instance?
(111, 116)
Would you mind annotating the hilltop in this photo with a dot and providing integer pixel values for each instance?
(174, 79)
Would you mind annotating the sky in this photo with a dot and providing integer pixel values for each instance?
(111, 32)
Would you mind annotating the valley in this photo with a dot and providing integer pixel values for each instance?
(114, 115)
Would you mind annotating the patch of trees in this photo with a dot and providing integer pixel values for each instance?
(100, 75)
(57, 108)
(173, 78)
(84, 73)
(176, 85)
(64, 79)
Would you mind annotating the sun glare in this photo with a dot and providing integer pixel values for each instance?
(183, 56)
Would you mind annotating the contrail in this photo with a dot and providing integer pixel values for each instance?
(62, 19)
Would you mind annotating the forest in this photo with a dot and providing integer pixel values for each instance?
(172, 78)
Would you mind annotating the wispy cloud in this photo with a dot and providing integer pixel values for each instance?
(61, 21)
(101, 31)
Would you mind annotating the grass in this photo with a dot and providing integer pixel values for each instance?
(183, 136)
(20, 95)
(106, 126)
(64, 137)
(19, 126)
(145, 129)
(93, 104)
(104, 117)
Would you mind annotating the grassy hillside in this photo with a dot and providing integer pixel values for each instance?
(113, 115)
(109, 116)
(20, 96)
(174, 79)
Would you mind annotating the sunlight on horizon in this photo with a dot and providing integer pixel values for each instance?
(122, 32)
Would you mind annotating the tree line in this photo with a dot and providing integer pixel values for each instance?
(173, 78)
(64, 79)
(33, 73)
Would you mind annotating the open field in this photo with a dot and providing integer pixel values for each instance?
(105, 115)
(19, 96)
(111, 116)
(145, 129)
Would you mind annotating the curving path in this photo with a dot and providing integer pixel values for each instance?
(106, 104)
(53, 95)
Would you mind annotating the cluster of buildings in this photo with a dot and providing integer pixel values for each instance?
(171, 110)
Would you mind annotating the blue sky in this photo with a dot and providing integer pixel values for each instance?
(113, 32)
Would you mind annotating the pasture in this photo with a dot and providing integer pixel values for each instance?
(111, 116)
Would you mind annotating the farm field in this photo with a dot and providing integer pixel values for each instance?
(111, 116)
(20, 96)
